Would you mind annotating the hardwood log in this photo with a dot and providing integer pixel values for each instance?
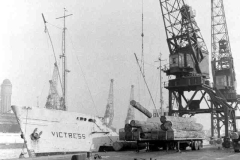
(130, 145)
(150, 128)
(185, 126)
(188, 134)
(177, 119)
(167, 125)
(234, 135)
(136, 123)
(146, 126)
(139, 107)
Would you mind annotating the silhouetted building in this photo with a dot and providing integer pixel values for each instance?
(8, 122)
(6, 93)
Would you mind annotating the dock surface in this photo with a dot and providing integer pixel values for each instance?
(207, 153)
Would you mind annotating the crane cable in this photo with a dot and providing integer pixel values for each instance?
(145, 81)
(83, 75)
(142, 35)
(46, 31)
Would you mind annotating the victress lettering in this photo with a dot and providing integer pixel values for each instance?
(69, 135)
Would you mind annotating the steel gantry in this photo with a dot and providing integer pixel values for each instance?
(190, 91)
(222, 68)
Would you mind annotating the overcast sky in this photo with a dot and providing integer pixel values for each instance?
(102, 36)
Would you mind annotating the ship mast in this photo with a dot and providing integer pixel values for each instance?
(64, 61)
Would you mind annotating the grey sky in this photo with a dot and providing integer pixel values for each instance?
(102, 35)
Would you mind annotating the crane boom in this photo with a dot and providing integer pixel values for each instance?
(188, 51)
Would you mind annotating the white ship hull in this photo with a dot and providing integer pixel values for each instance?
(62, 131)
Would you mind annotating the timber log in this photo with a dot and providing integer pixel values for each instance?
(139, 107)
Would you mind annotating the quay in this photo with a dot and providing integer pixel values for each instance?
(208, 152)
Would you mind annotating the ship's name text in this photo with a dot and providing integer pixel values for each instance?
(68, 135)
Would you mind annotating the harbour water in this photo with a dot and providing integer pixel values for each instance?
(11, 153)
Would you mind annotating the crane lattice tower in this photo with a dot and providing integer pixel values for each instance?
(54, 101)
(189, 86)
(109, 112)
(130, 113)
(223, 71)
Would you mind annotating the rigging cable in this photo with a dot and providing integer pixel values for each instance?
(46, 31)
(142, 35)
(153, 86)
(145, 81)
(54, 26)
(83, 75)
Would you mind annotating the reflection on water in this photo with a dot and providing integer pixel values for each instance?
(11, 153)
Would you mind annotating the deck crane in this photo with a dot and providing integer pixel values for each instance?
(109, 112)
(189, 66)
(130, 113)
(54, 101)
(223, 71)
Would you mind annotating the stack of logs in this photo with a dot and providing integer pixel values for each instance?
(165, 128)
(182, 127)
(178, 127)
(173, 127)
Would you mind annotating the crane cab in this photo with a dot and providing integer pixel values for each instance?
(181, 62)
(224, 73)
(225, 78)
(223, 46)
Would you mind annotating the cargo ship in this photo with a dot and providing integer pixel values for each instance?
(52, 129)
(47, 131)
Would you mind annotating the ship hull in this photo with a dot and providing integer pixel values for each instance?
(55, 131)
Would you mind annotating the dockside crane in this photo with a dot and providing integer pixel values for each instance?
(130, 113)
(189, 67)
(223, 70)
(109, 112)
(54, 100)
